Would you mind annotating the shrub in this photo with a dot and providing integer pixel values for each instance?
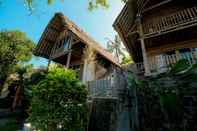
(59, 102)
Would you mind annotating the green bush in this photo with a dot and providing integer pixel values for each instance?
(59, 102)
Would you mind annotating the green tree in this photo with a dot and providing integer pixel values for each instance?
(59, 102)
(15, 49)
(92, 4)
(24, 72)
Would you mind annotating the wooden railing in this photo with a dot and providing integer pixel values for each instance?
(140, 67)
(110, 87)
(165, 62)
(100, 88)
(182, 18)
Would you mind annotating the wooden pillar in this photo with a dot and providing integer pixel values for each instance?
(144, 53)
(70, 52)
(84, 77)
(49, 62)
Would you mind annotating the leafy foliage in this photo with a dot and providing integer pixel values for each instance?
(15, 48)
(126, 60)
(169, 99)
(59, 102)
(100, 3)
(96, 3)
(92, 4)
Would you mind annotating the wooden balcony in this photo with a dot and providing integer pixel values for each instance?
(180, 20)
(162, 63)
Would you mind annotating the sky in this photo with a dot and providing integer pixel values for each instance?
(14, 15)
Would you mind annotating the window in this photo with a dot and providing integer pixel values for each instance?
(66, 42)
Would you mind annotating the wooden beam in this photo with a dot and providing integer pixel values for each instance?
(132, 31)
(156, 6)
(144, 4)
(76, 62)
(61, 54)
(76, 41)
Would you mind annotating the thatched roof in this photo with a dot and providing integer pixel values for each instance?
(125, 25)
(60, 23)
(125, 22)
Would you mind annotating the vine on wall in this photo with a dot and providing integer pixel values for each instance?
(168, 101)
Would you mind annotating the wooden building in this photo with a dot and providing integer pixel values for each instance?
(158, 33)
(64, 42)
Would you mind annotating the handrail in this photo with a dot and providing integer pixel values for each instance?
(161, 24)
(157, 63)
(110, 87)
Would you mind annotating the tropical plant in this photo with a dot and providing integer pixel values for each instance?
(126, 60)
(116, 47)
(15, 49)
(59, 102)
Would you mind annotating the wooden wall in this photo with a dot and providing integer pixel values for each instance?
(172, 46)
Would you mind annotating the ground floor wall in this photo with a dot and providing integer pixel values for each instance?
(108, 115)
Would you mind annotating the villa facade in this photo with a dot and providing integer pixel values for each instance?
(65, 43)
(158, 33)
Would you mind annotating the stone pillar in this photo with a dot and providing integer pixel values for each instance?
(141, 33)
